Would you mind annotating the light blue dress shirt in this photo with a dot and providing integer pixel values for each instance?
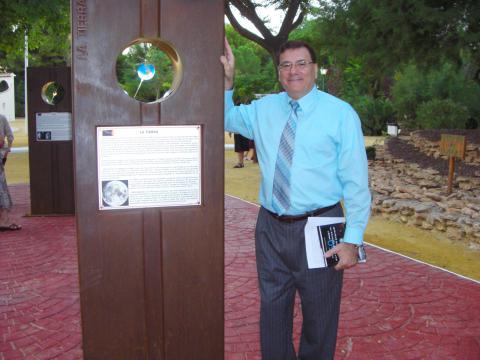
(329, 162)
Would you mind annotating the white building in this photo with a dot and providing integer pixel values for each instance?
(7, 95)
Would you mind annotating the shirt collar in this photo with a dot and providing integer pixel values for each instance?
(306, 102)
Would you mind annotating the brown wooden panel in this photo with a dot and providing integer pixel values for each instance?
(51, 162)
(151, 287)
(193, 254)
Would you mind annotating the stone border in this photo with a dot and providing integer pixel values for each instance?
(405, 193)
(431, 148)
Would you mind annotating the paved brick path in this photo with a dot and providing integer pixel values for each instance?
(393, 307)
(39, 301)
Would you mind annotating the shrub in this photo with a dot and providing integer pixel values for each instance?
(442, 114)
(415, 88)
(374, 113)
(371, 152)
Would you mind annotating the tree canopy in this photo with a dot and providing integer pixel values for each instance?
(386, 34)
(254, 71)
(295, 11)
(402, 59)
(47, 24)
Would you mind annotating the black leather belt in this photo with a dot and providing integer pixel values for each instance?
(293, 218)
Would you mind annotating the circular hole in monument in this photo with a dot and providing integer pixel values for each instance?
(149, 70)
(3, 86)
(52, 93)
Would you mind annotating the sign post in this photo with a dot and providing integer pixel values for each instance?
(452, 146)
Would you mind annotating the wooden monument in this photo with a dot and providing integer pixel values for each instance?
(50, 141)
(151, 277)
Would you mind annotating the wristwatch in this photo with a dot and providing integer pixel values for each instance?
(362, 255)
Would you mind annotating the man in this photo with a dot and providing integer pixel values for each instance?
(311, 154)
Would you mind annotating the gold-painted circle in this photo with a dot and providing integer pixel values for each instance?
(52, 93)
(149, 70)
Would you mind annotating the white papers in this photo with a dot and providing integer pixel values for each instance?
(315, 255)
(54, 126)
(149, 166)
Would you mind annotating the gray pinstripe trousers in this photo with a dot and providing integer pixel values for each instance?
(282, 270)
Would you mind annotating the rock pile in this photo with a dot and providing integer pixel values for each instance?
(416, 195)
(429, 146)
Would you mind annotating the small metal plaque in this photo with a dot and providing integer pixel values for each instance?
(53, 126)
(148, 166)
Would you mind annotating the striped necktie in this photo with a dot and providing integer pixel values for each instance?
(281, 179)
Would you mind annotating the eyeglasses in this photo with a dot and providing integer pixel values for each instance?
(300, 65)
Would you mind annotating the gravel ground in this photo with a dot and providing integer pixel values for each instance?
(472, 136)
(401, 149)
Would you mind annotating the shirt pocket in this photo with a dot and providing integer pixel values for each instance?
(315, 151)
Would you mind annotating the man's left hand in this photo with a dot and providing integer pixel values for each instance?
(347, 254)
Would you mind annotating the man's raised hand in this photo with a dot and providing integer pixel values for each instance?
(228, 61)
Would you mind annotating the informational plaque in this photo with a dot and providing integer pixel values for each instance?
(53, 126)
(453, 145)
(148, 166)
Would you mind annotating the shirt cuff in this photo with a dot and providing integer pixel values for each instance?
(353, 236)
(229, 99)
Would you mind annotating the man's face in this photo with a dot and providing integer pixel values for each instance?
(297, 80)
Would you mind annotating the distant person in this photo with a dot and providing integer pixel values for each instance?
(311, 154)
(241, 147)
(252, 154)
(6, 141)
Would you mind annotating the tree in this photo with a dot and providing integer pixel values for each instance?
(386, 34)
(442, 114)
(267, 40)
(416, 92)
(47, 24)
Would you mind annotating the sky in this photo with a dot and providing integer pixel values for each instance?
(274, 16)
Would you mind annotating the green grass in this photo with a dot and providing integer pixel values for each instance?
(17, 169)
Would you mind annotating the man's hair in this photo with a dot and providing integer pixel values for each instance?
(296, 44)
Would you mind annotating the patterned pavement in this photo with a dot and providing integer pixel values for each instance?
(392, 308)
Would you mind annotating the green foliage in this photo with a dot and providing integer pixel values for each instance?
(310, 32)
(374, 113)
(255, 72)
(408, 92)
(19, 97)
(386, 34)
(354, 81)
(246, 59)
(371, 152)
(47, 23)
(442, 114)
(415, 87)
